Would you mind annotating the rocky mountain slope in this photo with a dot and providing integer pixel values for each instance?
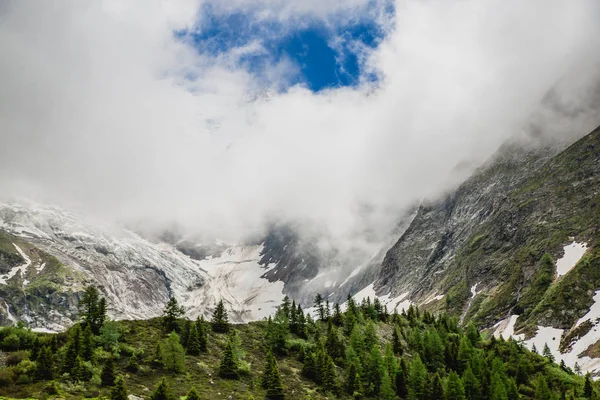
(48, 256)
(498, 250)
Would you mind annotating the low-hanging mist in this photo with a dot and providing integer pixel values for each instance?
(105, 109)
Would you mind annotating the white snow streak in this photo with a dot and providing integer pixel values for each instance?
(14, 270)
(573, 253)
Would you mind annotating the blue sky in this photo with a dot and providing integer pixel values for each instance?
(326, 54)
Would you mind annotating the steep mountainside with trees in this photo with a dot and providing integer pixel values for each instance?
(362, 352)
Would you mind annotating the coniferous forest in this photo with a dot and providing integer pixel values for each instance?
(358, 351)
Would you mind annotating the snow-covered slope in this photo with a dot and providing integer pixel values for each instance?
(135, 274)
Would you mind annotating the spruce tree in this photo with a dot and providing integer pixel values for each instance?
(328, 376)
(319, 306)
(497, 388)
(542, 391)
(402, 380)
(387, 390)
(172, 312)
(228, 368)
(162, 391)
(173, 354)
(301, 323)
(35, 349)
(192, 394)
(271, 380)
(396, 343)
(133, 364)
(337, 319)
(119, 391)
(353, 386)
(92, 309)
(72, 349)
(417, 380)
(454, 387)
(44, 364)
(547, 353)
(202, 334)
(193, 342)
(436, 391)
(588, 390)
(220, 320)
(87, 344)
(472, 386)
(108, 374)
(374, 371)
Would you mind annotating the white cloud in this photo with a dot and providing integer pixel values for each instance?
(103, 107)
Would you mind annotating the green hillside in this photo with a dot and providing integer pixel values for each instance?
(364, 352)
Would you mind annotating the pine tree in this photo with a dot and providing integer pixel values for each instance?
(300, 323)
(220, 320)
(328, 376)
(436, 390)
(133, 364)
(387, 390)
(157, 360)
(497, 388)
(353, 385)
(512, 392)
(454, 387)
(417, 380)
(333, 344)
(92, 309)
(547, 353)
(119, 391)
(173, 354)
(78, 372)
(542, 391)
(402, 380)
(171, 313)
(396, 343)
(108, 374)
(276, 334)
(185, 334)
(72, 349)
(271, 381)
(202, 334)
(35, 349)
(228, 368)
(473, 334)
(319, 306)
(374, 371)
(193, 343)
(286, 308)
(192, 394)
(87, 344)
(588, 390)
(337, 319)
(44, 364)
(473, 389)
(161, 392)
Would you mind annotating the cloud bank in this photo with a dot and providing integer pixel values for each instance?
(104, 107)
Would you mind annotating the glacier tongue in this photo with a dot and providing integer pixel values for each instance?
(137, 275)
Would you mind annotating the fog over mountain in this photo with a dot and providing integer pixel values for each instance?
(106, 110)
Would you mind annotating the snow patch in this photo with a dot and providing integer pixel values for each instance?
(14, 270)
(43, 330)
(573, 253)
(236, 277)
(432, 298)
(506, 328)
(386, 300)
(8, 314)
